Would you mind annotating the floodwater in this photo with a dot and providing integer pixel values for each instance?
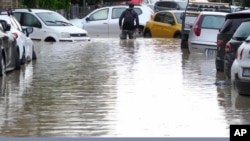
(113, 88)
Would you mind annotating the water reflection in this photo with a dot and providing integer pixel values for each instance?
(108, 87)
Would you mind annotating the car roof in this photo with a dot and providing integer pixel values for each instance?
(239, 14)
(33, 10)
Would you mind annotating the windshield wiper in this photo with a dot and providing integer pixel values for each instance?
(63, 22)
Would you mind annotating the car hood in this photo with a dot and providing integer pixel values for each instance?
(69, 29)
(76, 22)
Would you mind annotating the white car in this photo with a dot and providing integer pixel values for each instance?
(24, 43)
(240, 70)
(203, 34)
(104, 21)
(49, 26)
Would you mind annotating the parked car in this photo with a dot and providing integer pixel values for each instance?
(25, 44)
(193, 10)
(240, 71)
(202, 36)
(164, 24)
(240, 35)
(49, 26)
(170, 5)
(9, 56)
(104, 21)
(188, 18)
(231, 23)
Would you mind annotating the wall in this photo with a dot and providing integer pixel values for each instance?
(6, 4)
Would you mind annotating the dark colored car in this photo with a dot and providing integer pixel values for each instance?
(232, 22)
(9, 56)
(170, 5)
(240, 35)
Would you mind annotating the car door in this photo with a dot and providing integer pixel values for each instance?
(29, 20)
(168, 28)
(157, 26)
(114, 20)
(96, 23)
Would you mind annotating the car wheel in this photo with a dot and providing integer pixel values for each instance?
(33, 54)
(177, 35)
(147, 34)
(17, 61)
(3, 67)
(23, 59)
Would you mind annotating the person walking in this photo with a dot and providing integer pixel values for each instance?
(128, 22)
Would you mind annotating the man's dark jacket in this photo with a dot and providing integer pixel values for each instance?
(129, 26)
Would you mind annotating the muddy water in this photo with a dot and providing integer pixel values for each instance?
(108, 87)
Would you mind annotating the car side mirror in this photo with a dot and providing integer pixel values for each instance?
(87, 19)
(171, 21)
(29, 30)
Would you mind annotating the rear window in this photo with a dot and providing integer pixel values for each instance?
(230, 25)
(212, 21)
(243, 31)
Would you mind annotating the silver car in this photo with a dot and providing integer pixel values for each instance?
(9, 56)
(203, 34)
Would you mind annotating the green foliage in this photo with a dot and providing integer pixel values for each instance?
(46, 4)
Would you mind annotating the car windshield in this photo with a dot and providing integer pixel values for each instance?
(212, 22)
(53, 19)
(242, 32)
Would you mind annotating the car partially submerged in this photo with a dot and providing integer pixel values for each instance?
(49, 26)
(164, 24)
(104, 21)
(193, 10)
(202, 36)
(240, 70)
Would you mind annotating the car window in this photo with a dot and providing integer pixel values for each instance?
(230, 25)
(212, 21)
(99, 15)
(182, 5)
(168, 17)
(30, 20)
(116, 12)
(159, 17)
(242, 31)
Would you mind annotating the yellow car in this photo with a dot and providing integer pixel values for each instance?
(164, 24)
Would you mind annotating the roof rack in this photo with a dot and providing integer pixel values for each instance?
(209, 6)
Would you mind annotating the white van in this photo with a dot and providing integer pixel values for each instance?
(49, 26)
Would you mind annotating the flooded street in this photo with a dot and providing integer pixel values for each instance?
(108, 87)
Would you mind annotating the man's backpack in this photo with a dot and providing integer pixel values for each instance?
(129, 17)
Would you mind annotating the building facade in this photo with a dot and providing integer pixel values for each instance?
(6, 4)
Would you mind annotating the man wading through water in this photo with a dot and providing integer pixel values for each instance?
(127, 24)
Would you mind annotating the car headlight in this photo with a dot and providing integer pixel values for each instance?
(65, 35)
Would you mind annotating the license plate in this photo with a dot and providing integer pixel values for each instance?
(246, 72)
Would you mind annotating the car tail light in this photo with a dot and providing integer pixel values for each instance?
(228, 48)
(197, 28)
(15, 35)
